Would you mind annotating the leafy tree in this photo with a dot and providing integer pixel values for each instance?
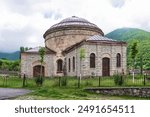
(41, 53)
(1, 62)
(134, 52)
(82, 56)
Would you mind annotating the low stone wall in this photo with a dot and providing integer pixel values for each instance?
(138, 92)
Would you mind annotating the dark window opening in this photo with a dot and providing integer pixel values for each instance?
(73, 65)
(59, 65)
(92, 60)
(118, 64)
(69, 65)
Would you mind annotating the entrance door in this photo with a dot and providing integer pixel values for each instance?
(37, 70)
(106, 67)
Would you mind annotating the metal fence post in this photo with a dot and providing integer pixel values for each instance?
(144, 80)
(24, 80)
(99, 81)
(78, 82)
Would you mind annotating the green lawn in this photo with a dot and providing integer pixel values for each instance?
(51, 89)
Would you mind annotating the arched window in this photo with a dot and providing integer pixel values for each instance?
(69, 64)
(73, 64)
(59, 65)
(92, 60)
(118, 59)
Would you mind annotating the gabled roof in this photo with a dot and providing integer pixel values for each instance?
(99, 38)
(96, 39)
(36, 50)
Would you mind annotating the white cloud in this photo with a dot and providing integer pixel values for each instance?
(117, 3)
(23, 22)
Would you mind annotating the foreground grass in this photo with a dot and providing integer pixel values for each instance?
(65, 93)
(51, 91)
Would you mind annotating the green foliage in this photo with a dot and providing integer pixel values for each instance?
(9, 65)
(23, 49)
(126, 34)
(134, 50)
(82, 53)
(118, 79)
(64, 81)
(88, 83)
(42, 53)
(39, 81)
(132, 35)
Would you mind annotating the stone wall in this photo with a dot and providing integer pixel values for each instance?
(100, 51)
(138, 92)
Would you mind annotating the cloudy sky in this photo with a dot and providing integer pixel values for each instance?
(23, 22)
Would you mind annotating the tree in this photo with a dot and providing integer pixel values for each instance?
(1, 62)
(82, 56)
(41, 53)
(134, 52)
(21, 50)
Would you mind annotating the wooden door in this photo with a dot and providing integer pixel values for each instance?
(37, 70)
(106, 67)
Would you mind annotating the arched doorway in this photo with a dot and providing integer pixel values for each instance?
(59, 66)
(37, 70)
(105, 66)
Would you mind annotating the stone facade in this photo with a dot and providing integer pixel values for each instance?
(101, 51)
(63, 42)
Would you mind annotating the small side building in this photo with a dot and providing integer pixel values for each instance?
(31, 66)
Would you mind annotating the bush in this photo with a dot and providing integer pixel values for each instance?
(118, 79)
(39, 80)
(88, 83)
(64, 81)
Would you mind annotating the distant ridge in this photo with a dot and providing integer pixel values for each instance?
(125, 34)
(10, 56)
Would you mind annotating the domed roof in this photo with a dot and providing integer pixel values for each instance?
(73, 23)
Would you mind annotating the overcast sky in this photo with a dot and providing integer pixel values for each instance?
(23, 22)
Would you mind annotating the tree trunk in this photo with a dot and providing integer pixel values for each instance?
(141, 64)
(133, 73)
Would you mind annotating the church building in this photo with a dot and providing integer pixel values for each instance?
(76, 46)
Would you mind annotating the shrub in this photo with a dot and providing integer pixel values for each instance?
(118, 79)
(88, 83)
(64, 81)
(39, 80)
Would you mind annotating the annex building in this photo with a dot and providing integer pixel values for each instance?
(64, 42)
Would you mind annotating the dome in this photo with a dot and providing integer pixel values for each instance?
(73, 23)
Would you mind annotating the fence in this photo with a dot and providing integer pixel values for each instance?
(126, 81)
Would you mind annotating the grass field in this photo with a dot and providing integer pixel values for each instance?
(51, 89)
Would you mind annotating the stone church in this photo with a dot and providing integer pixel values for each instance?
(101, 56)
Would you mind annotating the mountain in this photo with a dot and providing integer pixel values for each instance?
(10, 56)
(131, 35)
(125, 34)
